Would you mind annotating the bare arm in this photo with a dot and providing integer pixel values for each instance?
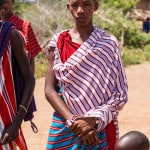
(32, 64)
(17, 46)
(83, 127)
(50, 92)
(24, 66)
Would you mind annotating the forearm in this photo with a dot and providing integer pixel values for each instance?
(110, 109)
(26, 99)
(28, 91)
(58, 104)
(32, 64)
(19, 117)
(107, 112)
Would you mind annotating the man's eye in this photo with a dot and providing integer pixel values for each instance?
(86, 4)
(74, 5)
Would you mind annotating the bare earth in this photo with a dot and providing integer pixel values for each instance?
(134, 116)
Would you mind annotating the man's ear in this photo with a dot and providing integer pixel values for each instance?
(96, 5)
(68, 6)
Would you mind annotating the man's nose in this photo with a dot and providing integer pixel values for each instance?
(80, 9)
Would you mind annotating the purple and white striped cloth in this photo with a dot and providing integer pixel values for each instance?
(93, 79)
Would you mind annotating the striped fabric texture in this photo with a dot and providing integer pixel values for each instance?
(93, 80)
(8, 107)
(61, 138)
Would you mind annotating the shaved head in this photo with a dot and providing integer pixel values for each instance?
(133, 140)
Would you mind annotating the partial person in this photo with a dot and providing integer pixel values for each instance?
(146, 25)
(133, 140)
(85, 83)
(32, 49)
(12, 113)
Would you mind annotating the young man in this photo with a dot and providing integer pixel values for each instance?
(86, 62)
(133, 140)
(11, 114)
(32, 49)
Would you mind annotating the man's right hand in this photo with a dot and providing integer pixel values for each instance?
(84, 129)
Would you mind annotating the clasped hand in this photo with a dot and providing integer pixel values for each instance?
(84, 129)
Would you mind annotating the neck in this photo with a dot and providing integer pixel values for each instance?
(80, 35)
(83, 31)
(6, 17)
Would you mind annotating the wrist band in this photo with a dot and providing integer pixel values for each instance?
(23, 108)
(69, 123)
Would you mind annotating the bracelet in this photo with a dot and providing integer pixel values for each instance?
(69, 123)
(21, 106)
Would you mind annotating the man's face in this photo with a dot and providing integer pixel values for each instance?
(82, 10)
(6, 9)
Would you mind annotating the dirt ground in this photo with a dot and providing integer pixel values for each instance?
(134, 116)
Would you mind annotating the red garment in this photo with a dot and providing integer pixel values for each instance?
(32, 45)
(67, 48)
(8, 106)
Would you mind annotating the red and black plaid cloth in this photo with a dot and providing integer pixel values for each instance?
(32, 45)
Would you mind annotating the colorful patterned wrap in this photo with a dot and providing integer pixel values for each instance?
(93, 84)
(8, 105)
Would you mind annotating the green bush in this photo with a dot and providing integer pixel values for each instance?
(133, 56)
(50, 16)
(41, 64)
(129, 59)
(136, 38)
(147, 52)
(125, 5)
(19, 8)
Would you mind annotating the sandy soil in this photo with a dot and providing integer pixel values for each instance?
(134, 116)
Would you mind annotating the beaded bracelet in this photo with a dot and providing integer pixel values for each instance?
(69, 123)
(21, 106)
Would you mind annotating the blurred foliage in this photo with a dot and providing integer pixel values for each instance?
(41, 65)
(136, 39)
(124, 5)
(135, 56)
(19, 8)
(50, 16)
